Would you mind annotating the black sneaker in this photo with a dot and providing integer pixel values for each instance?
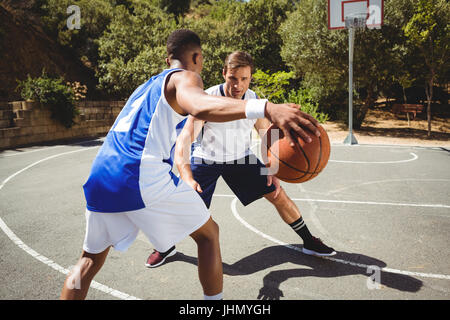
(316, 247)
(157, 258)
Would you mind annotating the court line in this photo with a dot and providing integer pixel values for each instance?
(359, 202)
(386, 181)
(414, 157)
(17, 241)
(378, 203)
(361, 265)
(122, 295)
(19, 153)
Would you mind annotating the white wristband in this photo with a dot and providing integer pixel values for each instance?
(254, 109)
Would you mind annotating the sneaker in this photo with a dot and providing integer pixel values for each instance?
(157, 258)
(318, 248)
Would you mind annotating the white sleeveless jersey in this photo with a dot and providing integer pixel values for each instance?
(132, 169)
(225, 141)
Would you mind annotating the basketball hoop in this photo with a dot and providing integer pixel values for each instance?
(356, 16)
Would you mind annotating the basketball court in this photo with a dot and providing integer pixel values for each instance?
(385, 209)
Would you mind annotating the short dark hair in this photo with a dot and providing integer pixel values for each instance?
(238, 59)
(179, 40)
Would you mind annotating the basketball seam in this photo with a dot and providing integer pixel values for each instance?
(287, 164)
(307, 159)
(320, 156)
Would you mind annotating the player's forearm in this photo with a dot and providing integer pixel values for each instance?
(218, 109)
(182, 155)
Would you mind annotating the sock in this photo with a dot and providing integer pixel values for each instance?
(218, 296)
(301, 229)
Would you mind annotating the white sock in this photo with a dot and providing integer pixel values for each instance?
(215, 297)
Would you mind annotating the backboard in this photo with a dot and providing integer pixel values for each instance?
(339, 9)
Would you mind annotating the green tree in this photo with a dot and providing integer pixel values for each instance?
(254, 25)
(177, 8)
(272, 86)
(320, 56)
(428, 31)
(228, 25)
(95, 17)
(316, 55)
(212, 22)
(133, 47)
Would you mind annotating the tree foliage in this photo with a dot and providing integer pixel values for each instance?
(124, 41)
(428, 32)
(52, 93)
(382, 58)
(133, 47)
(95, 15)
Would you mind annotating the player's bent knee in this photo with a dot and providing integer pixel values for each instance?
(207, 233)
(89, 264)
(280, 199)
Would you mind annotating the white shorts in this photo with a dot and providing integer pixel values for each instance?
(165, 223)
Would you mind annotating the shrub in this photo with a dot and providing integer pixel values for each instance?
(274, 86)
(271, 86)
(53, 94)
(79, 90)
(303, 97)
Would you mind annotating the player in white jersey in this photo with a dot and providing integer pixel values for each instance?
(223, 149)
(131, 186)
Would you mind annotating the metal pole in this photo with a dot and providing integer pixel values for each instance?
(350, 139)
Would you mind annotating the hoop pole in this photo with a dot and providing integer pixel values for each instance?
(350, 139)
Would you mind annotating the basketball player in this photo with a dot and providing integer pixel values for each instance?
(223, 149)
(131, 187)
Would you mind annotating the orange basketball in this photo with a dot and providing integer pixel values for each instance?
(300, 163)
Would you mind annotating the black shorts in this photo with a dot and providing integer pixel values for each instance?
(243, 176)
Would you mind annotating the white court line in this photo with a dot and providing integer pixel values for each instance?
(386, 181)
(361, 265)
(378, 203)
(414, 157)
(17, 241)
(19, 153)
(359, 202)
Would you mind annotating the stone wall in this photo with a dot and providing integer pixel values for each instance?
(25, 123)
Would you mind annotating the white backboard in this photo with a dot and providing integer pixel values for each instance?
(339, 9)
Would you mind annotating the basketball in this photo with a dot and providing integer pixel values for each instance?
(300, 163)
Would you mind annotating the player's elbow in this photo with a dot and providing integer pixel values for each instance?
(200, 113)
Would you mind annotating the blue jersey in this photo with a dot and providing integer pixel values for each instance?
(132, 169)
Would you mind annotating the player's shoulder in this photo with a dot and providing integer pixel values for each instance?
(181, 77)
(250, 94)
(214, 90)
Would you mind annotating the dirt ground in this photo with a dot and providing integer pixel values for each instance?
(383, 127)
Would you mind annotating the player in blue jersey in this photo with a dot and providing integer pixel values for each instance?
(223, 150)
(131, 186)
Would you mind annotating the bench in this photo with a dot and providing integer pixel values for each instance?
(407, 108)
(414, 109)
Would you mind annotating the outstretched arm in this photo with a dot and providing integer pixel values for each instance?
(184, 92)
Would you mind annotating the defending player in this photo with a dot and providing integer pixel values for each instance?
(223, 149)
(131, 186)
